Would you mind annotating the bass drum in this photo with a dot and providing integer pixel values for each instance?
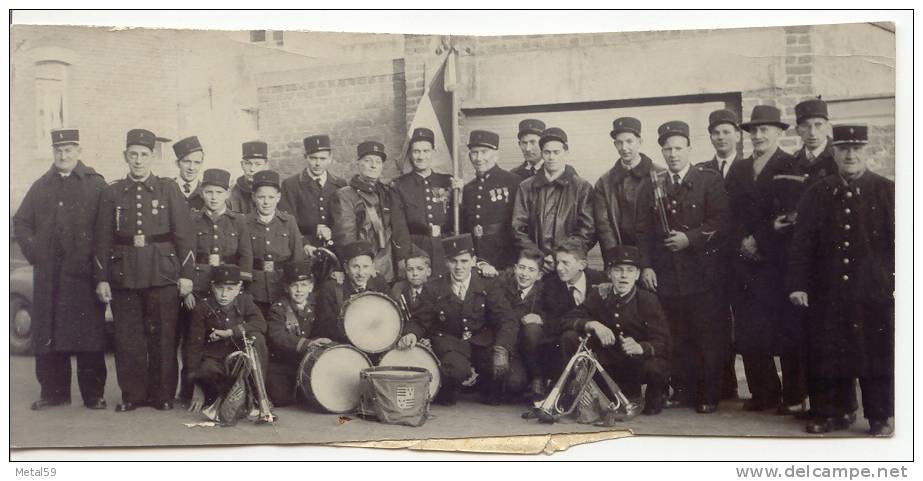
(371, 321)
(328, 377)
(418, 356)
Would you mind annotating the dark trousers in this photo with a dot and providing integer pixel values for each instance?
(629, 372)
(182, 331)
(53, 371)
(213, 375)
(280, 383)
(836, 397)
(145, 342)
(541, 354)
(457, 357)
(700, 345)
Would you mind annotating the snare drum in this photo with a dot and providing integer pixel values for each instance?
(371, 321)
(328, 377)
(418, 356)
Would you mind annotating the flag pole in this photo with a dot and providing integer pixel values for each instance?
(456, 168)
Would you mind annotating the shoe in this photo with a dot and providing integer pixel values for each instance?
(706, 408)
(880, 428)
(48, 403)
(793, 410)
(826, 425)
(536, 391)
(675, 401)
(125, 407)
(163, 405)
(96, 404)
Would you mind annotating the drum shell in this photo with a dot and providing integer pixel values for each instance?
(395, 394)
(422, 353)
(393, 315)
(307, 374)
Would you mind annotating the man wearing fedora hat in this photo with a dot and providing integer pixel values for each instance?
(309, 194)
(54, 226)
(189, 160)
(530, 132)
(145, 262)
(761, 191)
(254, 158)
(487, 205)
(555, 204)
(680, 237)
(615, 195)
(367, 209)
(841, 271)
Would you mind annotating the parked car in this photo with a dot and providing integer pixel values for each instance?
(21, 310)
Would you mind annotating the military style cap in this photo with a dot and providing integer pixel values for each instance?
(221, 178)
(184, 147)
(227, 274)
(65, 136)
(530, 126)
(298, 271)
(810, 109)
(670, 129)
(553, 133)
(422, 133)
(371, 147)
(266, 178)
(355, 249)
(722, 116)
(483, 138)
(764, 115)
(850, 134)
(142, 137)
(256, 149)
(316, 143)
(625, 124)
(457, 245)
(629, 255)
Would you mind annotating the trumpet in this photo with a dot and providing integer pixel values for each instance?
(577, 382)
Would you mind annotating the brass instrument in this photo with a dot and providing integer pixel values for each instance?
(262, 398)
(660, 196)
(576, 382)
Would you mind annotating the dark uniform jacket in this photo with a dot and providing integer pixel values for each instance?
(427, 205)
(226, 237)
(557, 299)
(144, 234)
(352, 221)
(332, 296)
(698, 207)
(524, 170)
(486, 211)
(194, 201)
(637, 315)
(241, 198)
(276, 243)
(548, 213)
(713, 164)
(402, 288)
(290, 330)
(531, 304)
(819, 167)
(842, 255)
(240, 315)
(54, 226)
(310, 203)
(484, 313)
(616, 203)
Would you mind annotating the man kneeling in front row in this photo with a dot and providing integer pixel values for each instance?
(469, 324)
(629, 333)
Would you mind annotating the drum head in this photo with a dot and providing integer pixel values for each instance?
(335, 378)
(372, 322)
(419, 356)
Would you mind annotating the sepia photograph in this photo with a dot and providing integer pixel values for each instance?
(505, 243)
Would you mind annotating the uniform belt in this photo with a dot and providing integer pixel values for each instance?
(148, 239)
(203, 256)
(427, 230)
(489, 229)
(307, 229)
(262, 265)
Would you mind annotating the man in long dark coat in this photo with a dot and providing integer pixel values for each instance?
(841, 268)
(55, 228)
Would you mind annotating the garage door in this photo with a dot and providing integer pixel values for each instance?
(591, 149)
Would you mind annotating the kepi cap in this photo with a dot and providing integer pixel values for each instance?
(421, 134)
(316, 143)
(553, 134)
(298, 271)
(625, 124)
(184, 147)
(671, 129)
(723, 116)
(266, 178)
(218, 177)
(457, 245)
(141, 137)
(371, 147)
(623, 254)
(483, 138)
(255, 149)
(227, 274)
(65, 136)
(850, 134)
(530, 126)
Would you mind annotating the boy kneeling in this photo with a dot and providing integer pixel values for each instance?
(291, 325)
(216, 337)
(630, 335)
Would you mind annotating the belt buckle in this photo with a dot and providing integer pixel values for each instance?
(214, 260)
(138, 240)
(466, 335)
(269, 266)
(478, 231)
(435, 230)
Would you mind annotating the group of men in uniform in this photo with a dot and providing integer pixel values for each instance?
(768, 255)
